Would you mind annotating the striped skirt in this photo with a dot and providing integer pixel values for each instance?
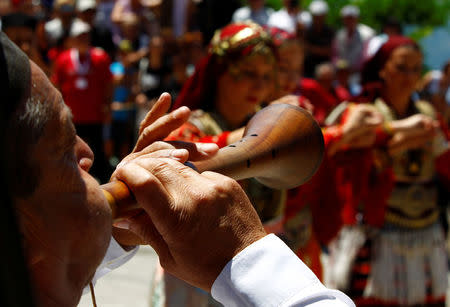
(399, 267)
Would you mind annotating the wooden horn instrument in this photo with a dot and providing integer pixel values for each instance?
(282, 148)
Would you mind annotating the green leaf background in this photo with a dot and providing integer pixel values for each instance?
(425, 15)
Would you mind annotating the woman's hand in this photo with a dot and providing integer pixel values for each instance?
(359, 129)
(361, 120)
(414, 124)
(414, 132)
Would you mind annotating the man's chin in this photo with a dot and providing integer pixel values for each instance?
(92, 262)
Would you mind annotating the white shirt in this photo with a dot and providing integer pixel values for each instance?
(54, 30)
(268, 273)
(283, 20)
(245, 13)
(351, 48)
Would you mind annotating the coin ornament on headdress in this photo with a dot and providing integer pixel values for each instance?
(237, 36)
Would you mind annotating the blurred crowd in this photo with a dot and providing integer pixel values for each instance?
(372, 220)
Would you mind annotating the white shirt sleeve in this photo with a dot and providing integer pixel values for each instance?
(268, 273)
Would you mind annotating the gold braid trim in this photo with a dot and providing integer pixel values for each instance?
(408, 223)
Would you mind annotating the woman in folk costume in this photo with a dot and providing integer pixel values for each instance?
(390, 191)
(228, 86)
(305, 224)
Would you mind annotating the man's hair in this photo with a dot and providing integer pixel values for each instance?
(24, 130)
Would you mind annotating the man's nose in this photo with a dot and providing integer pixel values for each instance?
(84, 154)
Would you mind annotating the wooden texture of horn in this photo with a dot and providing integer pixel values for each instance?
(282, 148)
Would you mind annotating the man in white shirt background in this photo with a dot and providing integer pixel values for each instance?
(350, 41)
(255, 11)
(291, 18)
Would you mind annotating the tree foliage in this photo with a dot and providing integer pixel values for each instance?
(425, 14)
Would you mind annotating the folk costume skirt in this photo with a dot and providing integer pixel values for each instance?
(393, 266)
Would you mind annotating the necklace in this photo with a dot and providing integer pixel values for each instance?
(82, 67)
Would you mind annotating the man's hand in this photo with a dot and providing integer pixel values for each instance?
(153, 129)
(195, 222)
(157, 125)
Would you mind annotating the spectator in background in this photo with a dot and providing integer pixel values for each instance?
(5, 8)
(153, 69)
(326, 77)
(350, 41)
(178, 75)
(28, 7)
(343, 73)
(291, 18)
(391, 27)
(192, 44)
(318, 38)
(152, 77)
(179, 16)
(57, 29)
(130, 31)
(36, 9)
(123, 106)
(147, 21)
(255, 11)
(103, 15)
(101, 36)
(213, 14)
(83, 76)
(21, 29)
(323, 90)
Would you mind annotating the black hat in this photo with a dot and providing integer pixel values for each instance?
(15, 78)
